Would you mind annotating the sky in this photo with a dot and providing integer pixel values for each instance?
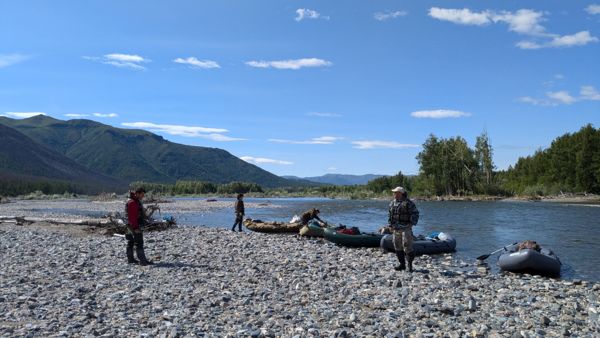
(307, 88)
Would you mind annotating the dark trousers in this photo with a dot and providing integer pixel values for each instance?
(239, 218)
(137, 240)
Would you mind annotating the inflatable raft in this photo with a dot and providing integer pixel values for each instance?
(543, 262)
(365, 240)
(272, 227)
(313, 229)
(424, 245)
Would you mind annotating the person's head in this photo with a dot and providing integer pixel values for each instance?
(399, 193)
(140, 192)
(240, 196)
(315, 211)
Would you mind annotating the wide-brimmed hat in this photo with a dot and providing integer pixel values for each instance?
(399, 189)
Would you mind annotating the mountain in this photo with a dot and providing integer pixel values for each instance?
(137, 155)
(24, 160)
(339, 179)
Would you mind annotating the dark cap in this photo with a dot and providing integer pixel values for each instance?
(139, 190)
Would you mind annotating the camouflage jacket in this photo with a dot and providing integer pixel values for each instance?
(402, 213)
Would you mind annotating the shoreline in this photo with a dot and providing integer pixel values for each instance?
(218, 283)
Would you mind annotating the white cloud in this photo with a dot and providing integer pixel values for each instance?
(578, 39)
(214, 134)
(121, 60)
(262, 160)
(11, 59)
(384, 16)
(561, 96)
(220, 138)
(316, 140)
(332, 169)
(460, 16)
(319, 114)
(22, 115)
(194, 62)
(76, 115)
(382, 144)
(524, 22)
(593, 9)
(534, 101)
(106, 115)
(439, 114)
(290, 64)
(589, 93)
(586, 93)
(305, 13)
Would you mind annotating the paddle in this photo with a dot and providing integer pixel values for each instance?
(484, 257)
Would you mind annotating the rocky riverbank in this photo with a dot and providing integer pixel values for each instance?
(85, 209)
(212, 282)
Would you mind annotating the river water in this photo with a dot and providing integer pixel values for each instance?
(572, 231)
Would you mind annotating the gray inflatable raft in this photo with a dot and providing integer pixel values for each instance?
(544, 262)
(440, 243)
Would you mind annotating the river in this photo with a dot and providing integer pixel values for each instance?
(572, 231)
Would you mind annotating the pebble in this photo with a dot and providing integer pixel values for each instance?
(212, 282)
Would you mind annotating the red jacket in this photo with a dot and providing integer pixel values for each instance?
(135, 212)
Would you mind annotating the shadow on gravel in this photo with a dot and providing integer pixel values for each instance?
(175, 265)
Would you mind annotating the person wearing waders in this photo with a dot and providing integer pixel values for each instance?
(403, 215)
(239, 212)
(136, 219)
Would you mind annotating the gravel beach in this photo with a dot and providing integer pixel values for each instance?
(212, 282)
(84, 209)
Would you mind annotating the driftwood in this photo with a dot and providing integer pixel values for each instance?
(111, 224)
(30, 220)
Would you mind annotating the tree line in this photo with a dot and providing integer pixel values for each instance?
(447, 166)
(199, 188)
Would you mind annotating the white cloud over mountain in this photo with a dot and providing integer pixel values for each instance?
(262, 160)
(22, 115)
(214, 134)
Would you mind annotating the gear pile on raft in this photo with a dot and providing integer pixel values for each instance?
(397, 237)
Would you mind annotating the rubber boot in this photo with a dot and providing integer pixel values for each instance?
(142, 256)
(130, 258)
(411, 258)
(402, 266)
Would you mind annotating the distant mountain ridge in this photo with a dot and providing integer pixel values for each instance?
(23, 159)
(339, 179)
(137, 155)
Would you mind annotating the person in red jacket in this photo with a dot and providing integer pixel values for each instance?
(136, 219)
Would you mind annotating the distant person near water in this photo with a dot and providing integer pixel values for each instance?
(136, 219)
(239, 212)
(310, 215)
(403, 215)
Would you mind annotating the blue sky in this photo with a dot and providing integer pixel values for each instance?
(310, 87)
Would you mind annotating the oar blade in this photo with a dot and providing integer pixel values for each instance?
(483, 257)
